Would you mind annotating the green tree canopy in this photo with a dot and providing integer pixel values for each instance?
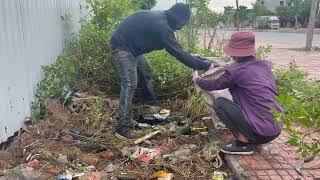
(244, 13)
(144, 4)
(260, 10)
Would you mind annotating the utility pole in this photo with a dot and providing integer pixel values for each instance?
(238, 18)
(311, 24)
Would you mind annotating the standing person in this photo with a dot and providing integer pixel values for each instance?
(252, 86)
(140, 33)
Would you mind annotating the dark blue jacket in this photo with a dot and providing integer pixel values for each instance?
(146, 31)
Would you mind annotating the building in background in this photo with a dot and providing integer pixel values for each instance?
(271, 5)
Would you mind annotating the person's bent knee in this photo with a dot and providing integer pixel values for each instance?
(220, 102)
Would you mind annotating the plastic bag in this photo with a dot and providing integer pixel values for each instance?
(210, 96)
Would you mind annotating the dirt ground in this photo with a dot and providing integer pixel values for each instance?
(79, 138)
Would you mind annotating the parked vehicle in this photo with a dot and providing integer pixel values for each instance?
(267, 22)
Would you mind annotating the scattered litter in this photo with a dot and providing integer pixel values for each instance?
(67, 139)
(183, 122)
(299, 168)
(91, 168)
(92, 176)
(110, 168)
(31, 157)
(156, 118)
(32, 164)
(63, 159)
(144, 125)
(204, 133)
(218, 175)
(146, 155)
(147, 109)
(128, 151)
(162, 175)
(81, 142)
(211, 154)
(195, 129)
(173, 126)
(182, 154)
(147, 158)
(78, 175)
(148, 136)
(66, 176)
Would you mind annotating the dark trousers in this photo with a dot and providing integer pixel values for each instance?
(128, 68)
(230, 114)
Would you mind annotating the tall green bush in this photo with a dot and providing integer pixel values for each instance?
(300, 99)
(88, 57)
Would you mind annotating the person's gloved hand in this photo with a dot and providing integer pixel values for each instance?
(213, 64)
(195, 76)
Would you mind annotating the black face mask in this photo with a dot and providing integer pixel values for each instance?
(178, 16)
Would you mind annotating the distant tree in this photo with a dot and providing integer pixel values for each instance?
(304, 12)
(312, 19)
(244, 13)
(284, 15)
(144, 4)
(228, 15)
(260, 10)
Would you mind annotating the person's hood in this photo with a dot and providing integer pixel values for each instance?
(178, 15)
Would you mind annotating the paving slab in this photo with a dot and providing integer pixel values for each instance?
(276, 160)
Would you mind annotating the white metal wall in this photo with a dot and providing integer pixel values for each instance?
(32, 33)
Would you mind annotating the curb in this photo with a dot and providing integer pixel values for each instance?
(235, 167)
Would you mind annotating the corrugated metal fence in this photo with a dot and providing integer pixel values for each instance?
(32, 33)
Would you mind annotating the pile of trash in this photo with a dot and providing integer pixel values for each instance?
(76, 141)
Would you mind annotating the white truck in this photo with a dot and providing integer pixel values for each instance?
(267, 22)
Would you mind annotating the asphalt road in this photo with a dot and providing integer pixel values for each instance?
(282, 38)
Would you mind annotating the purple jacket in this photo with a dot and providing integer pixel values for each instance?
(252, 86)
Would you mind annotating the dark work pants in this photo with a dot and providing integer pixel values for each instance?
(230, 114)
(128, 68)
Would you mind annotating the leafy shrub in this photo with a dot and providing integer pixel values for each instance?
(95, 58)
(171, 78)
(88, 56)
(262, 51)
(301, 100)
(57, 75)
(195, 106)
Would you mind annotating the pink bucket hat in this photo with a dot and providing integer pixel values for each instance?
(241, 44)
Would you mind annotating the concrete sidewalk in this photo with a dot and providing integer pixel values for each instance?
(274, 161)
(281, 55)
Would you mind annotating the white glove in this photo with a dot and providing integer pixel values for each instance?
(212, 66)
(195, 76)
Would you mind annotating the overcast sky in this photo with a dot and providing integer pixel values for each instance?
(216, 5)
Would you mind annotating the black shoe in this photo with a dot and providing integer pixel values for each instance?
(126, 135)
(133, 124)
(237, 149)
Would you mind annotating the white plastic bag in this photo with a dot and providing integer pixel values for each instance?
(210, 96)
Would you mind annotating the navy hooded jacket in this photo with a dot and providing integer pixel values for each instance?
(146, 31)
